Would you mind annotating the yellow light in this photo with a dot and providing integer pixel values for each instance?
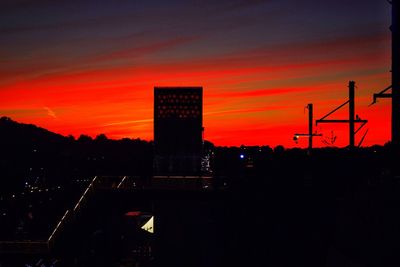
(149, 225)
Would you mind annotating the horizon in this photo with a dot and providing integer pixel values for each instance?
(90, 68)
(94, 137)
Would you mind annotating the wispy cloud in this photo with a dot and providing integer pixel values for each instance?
(245, 110)
(128, 122)
(263, 92)
(21, 112)
(50, 112)
(146, 49)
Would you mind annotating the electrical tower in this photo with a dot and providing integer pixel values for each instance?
(310, 133)
(353, 119)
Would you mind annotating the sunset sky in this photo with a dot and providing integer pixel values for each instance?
(89, 67)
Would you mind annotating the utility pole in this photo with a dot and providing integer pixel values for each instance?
(395, 73)
(351, 121)
(310, 133)
(310, 126)
(395, 94)
(351, 113)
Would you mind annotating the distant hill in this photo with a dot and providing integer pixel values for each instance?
(12, 131)
(35, 155)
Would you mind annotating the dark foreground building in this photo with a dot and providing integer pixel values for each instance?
(178, 131)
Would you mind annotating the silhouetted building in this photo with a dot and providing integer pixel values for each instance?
(178, 130)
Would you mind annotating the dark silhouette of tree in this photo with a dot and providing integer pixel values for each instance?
(330, 139)
(279, 149)
(101, 138)
(84, 138)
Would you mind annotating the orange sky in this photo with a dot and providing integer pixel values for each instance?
(255, 87)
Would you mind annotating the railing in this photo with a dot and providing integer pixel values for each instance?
(83, 198)
(56, 231)
(68, 215)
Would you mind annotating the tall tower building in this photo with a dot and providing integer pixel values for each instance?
(178, 131)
